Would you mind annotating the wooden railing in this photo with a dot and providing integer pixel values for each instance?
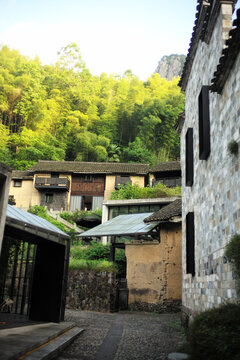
(48, 182)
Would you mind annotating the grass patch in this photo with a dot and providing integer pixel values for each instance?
(96, 265)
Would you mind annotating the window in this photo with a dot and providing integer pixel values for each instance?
(189, 173)
(88, 178)
(204, 123)
(190, 244)
(87, 203)
(48, 198)
(17, 183)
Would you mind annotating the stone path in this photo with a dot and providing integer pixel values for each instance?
(124, 336)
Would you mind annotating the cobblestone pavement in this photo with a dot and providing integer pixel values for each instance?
(124, 336)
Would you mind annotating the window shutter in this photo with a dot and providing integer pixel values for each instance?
(190, 243)
(189, 171)
(204, 123)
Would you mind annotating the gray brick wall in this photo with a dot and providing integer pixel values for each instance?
(215, 195)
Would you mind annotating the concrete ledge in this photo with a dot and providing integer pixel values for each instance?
(15, 343)
(53, 347)
(178, 356)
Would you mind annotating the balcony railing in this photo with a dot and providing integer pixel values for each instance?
(52, 183)
(170, 182)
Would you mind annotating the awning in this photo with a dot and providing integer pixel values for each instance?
(33, 224)
(123, 225)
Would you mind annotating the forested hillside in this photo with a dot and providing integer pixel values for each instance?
(62, 112)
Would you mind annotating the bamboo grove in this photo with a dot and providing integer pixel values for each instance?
(62, 112)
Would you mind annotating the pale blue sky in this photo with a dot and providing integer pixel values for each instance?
(113, 36)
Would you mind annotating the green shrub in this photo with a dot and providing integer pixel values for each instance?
(120, 260)
(42, 212)
(136, 192)
(67, 216)
(232, 253)
(98, 252)
(215, 334)
(96, 265)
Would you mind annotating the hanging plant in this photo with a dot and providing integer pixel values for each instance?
(233, 147)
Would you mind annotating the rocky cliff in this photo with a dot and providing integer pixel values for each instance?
(170, 66)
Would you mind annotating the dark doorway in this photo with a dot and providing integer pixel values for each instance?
(16, 272)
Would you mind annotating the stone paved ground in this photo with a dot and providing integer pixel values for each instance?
(124, 336)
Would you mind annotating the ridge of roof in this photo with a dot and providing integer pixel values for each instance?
(228, 58)
(22, 174)
(166, 166)
(206, 15)
(167, 212)
(90, 167)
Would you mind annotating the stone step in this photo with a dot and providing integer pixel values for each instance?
(39, 341)
(52, 348)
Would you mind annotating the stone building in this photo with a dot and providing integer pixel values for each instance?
(211, 175)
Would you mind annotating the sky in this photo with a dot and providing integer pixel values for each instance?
(113, 36)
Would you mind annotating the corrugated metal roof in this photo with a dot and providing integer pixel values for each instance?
(15, 214)
(132, 224)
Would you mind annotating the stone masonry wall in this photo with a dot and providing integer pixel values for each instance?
(59, 200)
(215, 195)
(90, 290)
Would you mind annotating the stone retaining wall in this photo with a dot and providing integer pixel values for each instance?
(90, 290)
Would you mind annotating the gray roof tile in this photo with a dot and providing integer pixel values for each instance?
(166, 166)
(167, 212)
(90, 167)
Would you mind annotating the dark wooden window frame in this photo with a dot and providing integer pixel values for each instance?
(190, 244)
(189, 167)
(204, 123)
(17, 183)
(49, 198)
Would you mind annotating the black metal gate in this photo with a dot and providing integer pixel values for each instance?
(16, 270)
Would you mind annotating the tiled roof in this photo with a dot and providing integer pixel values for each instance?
(23, 175)
(206, 16)
(90, 167)
(228, 58)
(166, 166)
(167, 212)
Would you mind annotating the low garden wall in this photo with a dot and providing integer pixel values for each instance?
(91, 290)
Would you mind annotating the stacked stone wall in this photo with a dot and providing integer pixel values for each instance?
(90, 290)
(215, 195)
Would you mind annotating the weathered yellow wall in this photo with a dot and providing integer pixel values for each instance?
(110, 184)
(154, 272)
(26, 195)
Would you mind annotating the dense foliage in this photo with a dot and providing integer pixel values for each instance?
(42, 212)
(136, 192)
(95, 256)
(215, 334)
(62, 112)
(75, 216)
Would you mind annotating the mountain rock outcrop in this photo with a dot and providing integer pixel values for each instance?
(170, 66)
